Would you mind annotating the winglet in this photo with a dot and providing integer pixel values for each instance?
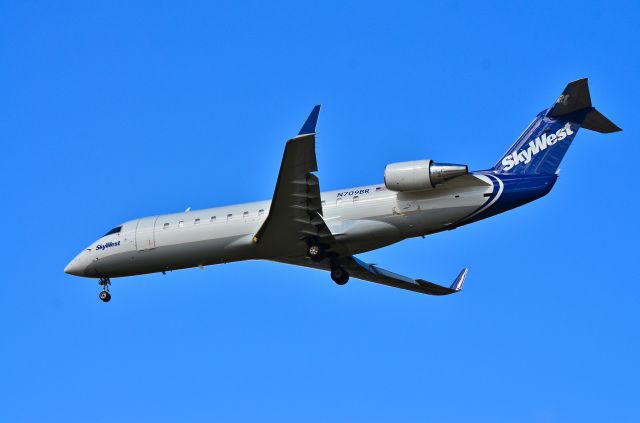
(457, 284)
(309, 126)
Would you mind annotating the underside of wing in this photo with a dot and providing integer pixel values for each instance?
(295, 215)
(372, 273)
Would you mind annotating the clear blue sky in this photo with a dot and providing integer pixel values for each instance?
(117, 110)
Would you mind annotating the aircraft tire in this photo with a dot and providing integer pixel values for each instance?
(339, 275)
(104, 296)
(315, 253)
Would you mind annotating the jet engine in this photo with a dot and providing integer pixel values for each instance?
(420, 175)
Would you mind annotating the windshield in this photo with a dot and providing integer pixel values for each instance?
(114, 231)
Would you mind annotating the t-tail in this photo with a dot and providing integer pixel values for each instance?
(541, 147)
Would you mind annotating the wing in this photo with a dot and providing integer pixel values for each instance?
(296, 209)
(372, 273)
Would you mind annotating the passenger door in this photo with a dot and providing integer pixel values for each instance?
(145, 233)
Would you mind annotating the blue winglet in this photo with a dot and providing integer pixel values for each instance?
(309, 126)
(457, 284)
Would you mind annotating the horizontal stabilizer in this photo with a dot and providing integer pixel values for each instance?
(577, 98)
(596, 121)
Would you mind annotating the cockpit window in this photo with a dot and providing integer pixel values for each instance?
(115, 230)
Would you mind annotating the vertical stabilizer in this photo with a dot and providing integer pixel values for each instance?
(542, 146)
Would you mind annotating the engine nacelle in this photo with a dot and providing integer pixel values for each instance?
(420, 175)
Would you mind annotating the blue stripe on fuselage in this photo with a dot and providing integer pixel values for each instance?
(517, 190)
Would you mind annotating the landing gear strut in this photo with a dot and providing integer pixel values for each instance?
(339, 275)
(104, 294)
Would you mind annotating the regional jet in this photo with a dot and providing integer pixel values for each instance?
(303, 226)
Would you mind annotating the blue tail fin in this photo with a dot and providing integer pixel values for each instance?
(541, 147)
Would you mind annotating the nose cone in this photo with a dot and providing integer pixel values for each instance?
(73, 268)
(76, 266)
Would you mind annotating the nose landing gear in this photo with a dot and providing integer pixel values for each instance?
(104, 294)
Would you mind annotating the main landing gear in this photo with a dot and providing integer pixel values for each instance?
(339, 275)
(104, 294)
(317, 253)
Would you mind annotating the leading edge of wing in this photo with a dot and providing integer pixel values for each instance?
(376, 274)
(358, 269)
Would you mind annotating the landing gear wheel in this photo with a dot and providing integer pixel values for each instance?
(315, 252)
(104, 294)
(339, 275)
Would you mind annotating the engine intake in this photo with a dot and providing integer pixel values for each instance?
(420, 175)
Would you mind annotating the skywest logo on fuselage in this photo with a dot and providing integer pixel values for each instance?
(107, 245)
(536, 146)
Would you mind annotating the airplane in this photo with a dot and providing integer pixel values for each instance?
(325, 230)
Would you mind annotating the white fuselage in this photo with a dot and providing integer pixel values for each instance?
(361, 218)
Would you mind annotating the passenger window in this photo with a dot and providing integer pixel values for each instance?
(213, 219)
(195, 222)
(245, 214)
(260, 212)
(229, 216)
(356, 199)
(166, 226)
(181, 223)
(323, 203)
(338, 201)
